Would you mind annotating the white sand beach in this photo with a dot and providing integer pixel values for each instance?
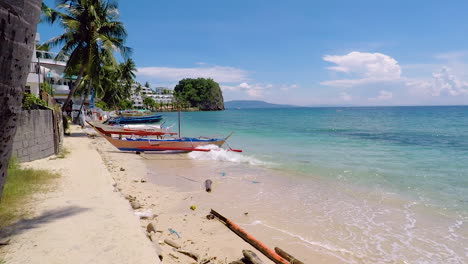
(87, 218)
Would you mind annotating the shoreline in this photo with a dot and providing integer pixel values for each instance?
(172, 188)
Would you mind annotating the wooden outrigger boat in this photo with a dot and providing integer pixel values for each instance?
(134, 120)
(119, 130)
(175, 144)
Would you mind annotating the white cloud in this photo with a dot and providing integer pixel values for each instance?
(223, 74)
(383, 96)
(364, 68)
(252, 90)
(443, 82)
(345, 97)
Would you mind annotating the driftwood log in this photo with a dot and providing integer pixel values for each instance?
(287, 256)
(208, 185)
(251, 257)
(250, 239)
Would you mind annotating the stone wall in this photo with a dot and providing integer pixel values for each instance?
(34, 137)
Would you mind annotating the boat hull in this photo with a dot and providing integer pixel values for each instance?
(119, 130)
(142, 145)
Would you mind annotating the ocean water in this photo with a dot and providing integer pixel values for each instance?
(362, 184)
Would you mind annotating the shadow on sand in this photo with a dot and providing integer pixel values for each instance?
(78, 134)
(46, 217)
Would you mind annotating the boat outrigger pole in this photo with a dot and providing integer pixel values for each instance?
(178, 114)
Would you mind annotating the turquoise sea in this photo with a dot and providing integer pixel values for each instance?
(365, 184)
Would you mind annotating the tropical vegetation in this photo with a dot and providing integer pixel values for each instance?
(91, 35)
(205, 94)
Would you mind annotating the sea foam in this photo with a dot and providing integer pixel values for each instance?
(221, 154)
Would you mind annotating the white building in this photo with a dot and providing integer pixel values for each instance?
(45, 67)
(136, 98)
(161, 95)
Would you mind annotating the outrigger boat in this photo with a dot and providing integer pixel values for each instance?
(134, 112)
(170, 144)
(134, 120)
(119, 130)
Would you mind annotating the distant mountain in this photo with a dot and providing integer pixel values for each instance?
(242, 104)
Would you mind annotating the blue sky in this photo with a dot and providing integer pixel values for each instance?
(304, 52)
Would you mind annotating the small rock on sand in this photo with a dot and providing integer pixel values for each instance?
(150, 228)
(135, 205)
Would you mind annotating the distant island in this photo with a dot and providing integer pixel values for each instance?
(243, 104)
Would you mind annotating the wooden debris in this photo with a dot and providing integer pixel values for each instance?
(189, 253)
(287, 256)
(250, 239)
(251, 257)
(171, 243)
(208, 185)
(174, 256)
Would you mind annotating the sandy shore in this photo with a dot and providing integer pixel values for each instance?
(88, 218)
(83, 220)
(172, 184)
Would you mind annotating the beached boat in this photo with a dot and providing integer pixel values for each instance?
(123, 130)
(134, 112)
(173, 144)
(134, 120)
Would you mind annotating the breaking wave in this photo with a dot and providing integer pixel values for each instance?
(221, 154)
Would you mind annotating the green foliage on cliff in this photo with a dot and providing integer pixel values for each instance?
(202, 93)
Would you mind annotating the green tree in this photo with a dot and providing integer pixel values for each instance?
(202, 93)
(47, 88)
(43, 47)
(116, 83)
(91, 31)
(18, 28)
(149, 103)
(126, 104)
(147, 85)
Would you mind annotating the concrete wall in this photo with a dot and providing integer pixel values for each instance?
(34, 137)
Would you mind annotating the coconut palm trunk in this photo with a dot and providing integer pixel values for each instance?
(18, 20)
(75, 86)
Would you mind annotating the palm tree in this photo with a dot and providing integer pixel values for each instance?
(91, 31)
(19, 19)
(116, 83)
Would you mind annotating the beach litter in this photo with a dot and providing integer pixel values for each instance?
(172, 231)
(144, 214)
(193, 207)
